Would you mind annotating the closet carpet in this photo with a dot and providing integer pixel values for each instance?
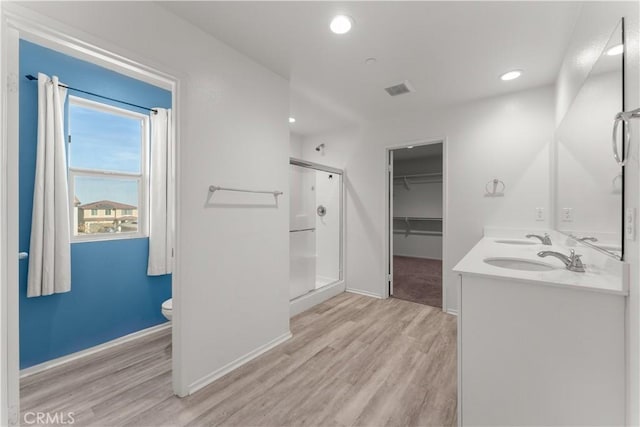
(418, 280)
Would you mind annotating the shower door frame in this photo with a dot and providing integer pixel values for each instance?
(324, 168)
(388, 257)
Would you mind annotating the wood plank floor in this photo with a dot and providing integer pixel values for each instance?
(352, 361)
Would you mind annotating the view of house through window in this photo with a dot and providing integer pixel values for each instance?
(107, 151)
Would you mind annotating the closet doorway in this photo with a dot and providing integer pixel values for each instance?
(416, 217)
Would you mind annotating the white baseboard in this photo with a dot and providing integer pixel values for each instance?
(218, 373)
(306, 301)
(365, 293)
(92, 350)
(451, 311)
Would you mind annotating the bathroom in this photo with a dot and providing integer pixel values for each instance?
(108, 266)
(281, 281)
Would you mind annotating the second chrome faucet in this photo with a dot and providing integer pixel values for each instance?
(546, 239)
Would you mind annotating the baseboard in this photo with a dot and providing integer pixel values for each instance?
(451, 311)
(306, 301)
(365, 293)
(218, 373)
(419, 257)
(92, 350)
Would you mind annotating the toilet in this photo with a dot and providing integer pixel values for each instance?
(167, 308)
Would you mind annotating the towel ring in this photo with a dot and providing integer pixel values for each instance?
(496, 182)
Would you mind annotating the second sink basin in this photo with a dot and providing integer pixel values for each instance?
(519, 264)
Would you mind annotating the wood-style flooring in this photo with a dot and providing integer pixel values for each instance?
(352, 361)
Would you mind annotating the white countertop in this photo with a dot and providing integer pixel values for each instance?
(602, 274)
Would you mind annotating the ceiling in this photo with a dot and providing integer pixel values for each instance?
(451, 52)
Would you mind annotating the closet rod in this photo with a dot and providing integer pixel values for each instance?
(30, 77)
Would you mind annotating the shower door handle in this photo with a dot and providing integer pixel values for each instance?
(23, 255)
(302, 229)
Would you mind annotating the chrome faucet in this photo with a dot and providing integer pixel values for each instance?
(546, 240)
(573, 261)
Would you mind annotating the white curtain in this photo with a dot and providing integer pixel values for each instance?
(161, 210)
(50, 250)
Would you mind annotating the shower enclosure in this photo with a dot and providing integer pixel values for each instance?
(315, 227)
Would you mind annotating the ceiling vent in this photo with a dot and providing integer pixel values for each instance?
(399, 89)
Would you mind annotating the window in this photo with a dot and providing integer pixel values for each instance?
(107, 171)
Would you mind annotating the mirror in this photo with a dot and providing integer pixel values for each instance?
(588, 179)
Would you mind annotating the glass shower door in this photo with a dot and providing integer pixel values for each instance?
(315, 228)
(302, 236)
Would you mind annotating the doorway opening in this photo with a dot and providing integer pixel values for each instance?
(416, 217)
(109, 208)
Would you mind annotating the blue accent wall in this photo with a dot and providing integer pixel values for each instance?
(111, 294)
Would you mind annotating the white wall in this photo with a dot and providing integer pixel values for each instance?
(506, 137)
(417, 246)
(592, 31)
(295, 145)
(233, 277)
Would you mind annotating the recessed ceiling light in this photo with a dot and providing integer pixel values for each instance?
(370, 61)
(616, 50)
(292, 120)
(511, 75)
(410, 147)
(341, 24)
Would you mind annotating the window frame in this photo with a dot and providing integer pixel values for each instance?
(142, 177)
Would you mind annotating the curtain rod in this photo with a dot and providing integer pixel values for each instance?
(30, 77)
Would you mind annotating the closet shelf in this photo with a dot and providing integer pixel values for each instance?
(418, 233)
(420, 178)
(418, 175)
(416, 218)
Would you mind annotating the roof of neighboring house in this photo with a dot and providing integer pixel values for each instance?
(76, 201)
(109, 219)
(106, 204)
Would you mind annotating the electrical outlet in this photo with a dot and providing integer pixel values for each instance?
(567, 214)
(630, 224)
(540, 214)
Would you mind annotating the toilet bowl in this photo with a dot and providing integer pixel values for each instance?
(167, 308)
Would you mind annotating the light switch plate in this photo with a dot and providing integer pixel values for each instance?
(567, 214)
(630, 224)
(540, 214)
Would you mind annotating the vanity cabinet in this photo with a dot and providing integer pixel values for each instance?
(532, 354)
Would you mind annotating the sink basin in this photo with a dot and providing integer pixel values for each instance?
(516, 242)
(519, 264)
